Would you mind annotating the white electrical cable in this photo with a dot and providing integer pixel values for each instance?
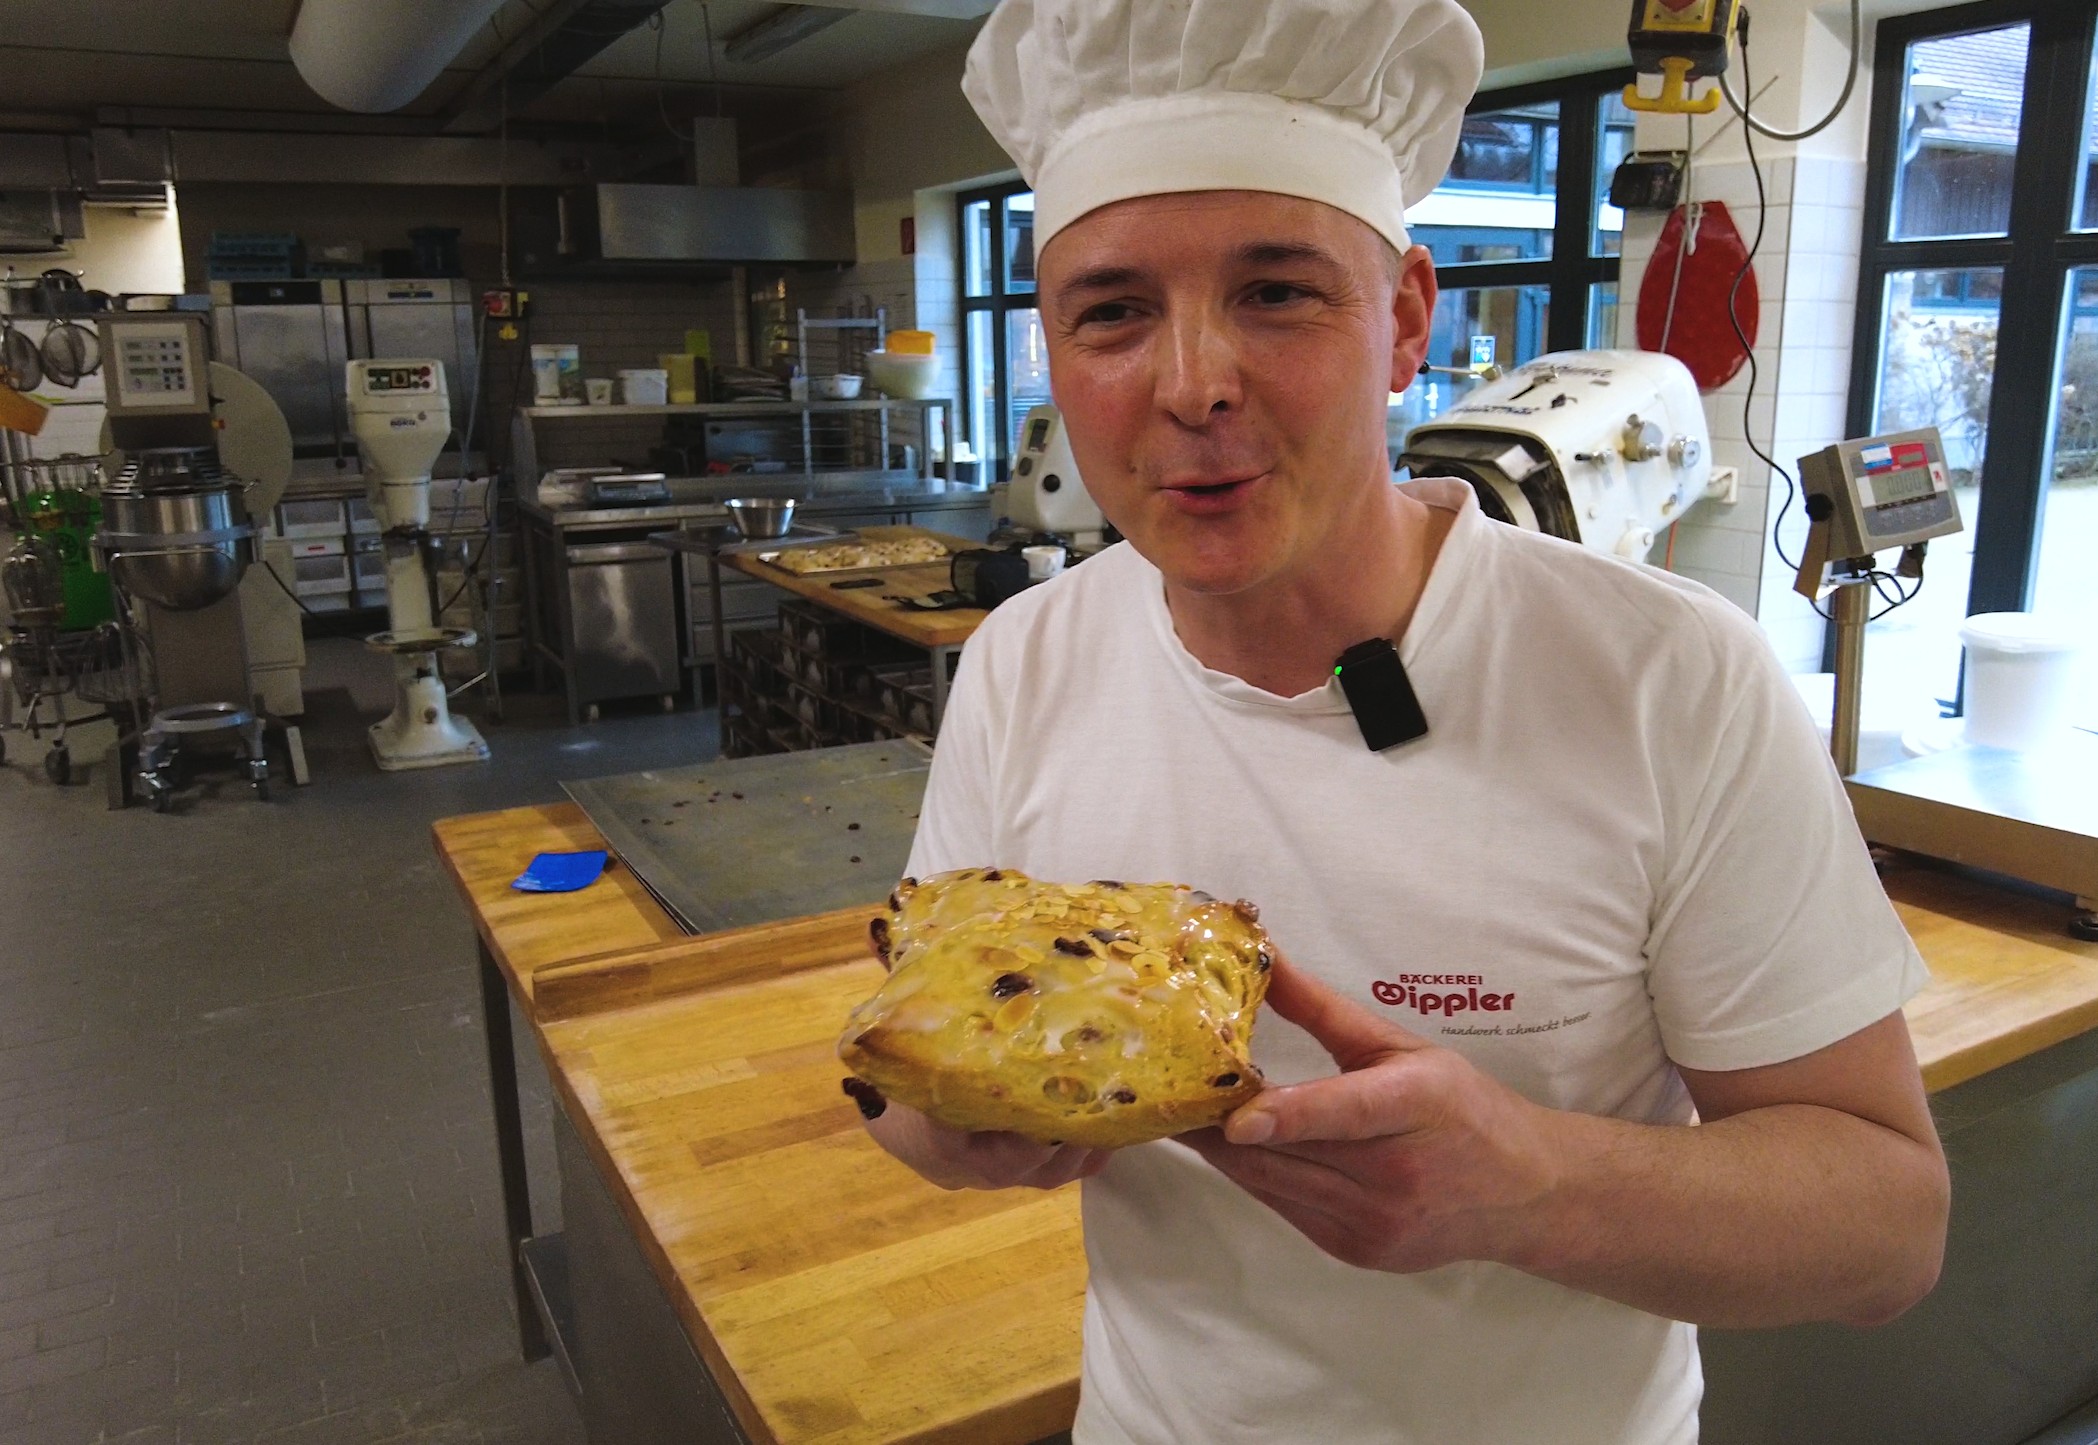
(1850, 86)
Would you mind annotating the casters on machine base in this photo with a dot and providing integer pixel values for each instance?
(160, 753)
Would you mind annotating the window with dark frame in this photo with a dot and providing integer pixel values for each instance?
(1005, 362)
(1527, 257)
(1981, 221)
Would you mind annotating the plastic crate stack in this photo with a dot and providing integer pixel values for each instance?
(254, 256)
(818, 681)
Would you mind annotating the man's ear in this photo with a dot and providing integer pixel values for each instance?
(1413, 315)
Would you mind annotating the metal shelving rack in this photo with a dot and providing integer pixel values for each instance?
(878, 410)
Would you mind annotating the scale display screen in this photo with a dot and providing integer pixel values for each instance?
(383, 380)
(1893, 474)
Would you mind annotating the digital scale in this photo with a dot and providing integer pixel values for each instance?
(2027, 815)
(649, 490)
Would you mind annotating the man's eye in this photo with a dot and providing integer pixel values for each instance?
(1107, 313)
(1278, 293)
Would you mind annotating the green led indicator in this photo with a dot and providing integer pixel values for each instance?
(1336, 672)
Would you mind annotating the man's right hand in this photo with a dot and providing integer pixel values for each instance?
(957, 1159)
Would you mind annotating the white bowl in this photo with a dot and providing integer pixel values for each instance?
(842, 387)
(901, 375)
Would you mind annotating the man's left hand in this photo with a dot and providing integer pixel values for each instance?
(1410, 1158)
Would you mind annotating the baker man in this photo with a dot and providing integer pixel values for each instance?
(1617, 881)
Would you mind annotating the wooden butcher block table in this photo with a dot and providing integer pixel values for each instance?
(941, 634)
(834, 1297)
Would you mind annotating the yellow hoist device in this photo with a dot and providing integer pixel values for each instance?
(1683, 42)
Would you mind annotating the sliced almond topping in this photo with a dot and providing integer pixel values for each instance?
(1014, 1012)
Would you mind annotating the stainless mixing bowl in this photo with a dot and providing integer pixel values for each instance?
(761, 519)
(178, 575)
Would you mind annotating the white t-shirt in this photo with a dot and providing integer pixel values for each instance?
(1620, 844)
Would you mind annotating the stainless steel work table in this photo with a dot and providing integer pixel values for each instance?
(696, 502)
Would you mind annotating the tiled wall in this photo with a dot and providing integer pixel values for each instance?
(1807, 270)
(618, 324)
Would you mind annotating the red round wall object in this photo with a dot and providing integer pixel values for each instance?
(1698, 334)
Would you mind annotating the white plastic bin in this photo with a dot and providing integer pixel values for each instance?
(2021, 671)
(645, 386)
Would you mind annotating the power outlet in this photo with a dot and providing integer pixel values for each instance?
(1725, 486)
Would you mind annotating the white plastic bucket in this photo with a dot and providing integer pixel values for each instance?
(2021, 672)
(645, 386)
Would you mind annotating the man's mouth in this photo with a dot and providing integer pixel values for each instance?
(1205, 497)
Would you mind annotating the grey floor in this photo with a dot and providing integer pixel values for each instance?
(248, 1185)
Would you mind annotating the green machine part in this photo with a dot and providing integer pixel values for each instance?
(67, 519)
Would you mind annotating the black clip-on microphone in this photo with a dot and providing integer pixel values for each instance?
(1380, 694)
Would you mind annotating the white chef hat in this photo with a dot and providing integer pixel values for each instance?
(1356, 103)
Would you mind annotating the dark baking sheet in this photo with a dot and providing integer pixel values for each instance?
(729, 844)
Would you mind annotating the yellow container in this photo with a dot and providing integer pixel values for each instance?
(684, 377)
(911, 343)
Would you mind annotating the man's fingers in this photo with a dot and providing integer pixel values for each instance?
(1266, 1172)
(1371, 1103)
(1354, 1036)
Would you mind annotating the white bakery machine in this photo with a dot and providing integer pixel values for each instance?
(1045, 493)
(401, 416)
(1605, 448)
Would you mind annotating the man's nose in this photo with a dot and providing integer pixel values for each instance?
(1199, 372)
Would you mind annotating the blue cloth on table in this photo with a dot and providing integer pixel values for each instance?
(561, 872)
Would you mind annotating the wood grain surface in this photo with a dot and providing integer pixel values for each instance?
(527, 932)
(870, 604)
(836, 1297)
(839, 1299)
(2006, 980)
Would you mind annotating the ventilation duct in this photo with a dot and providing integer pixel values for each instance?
(378, 55)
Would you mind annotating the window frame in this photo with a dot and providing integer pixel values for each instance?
(998, 302)
(1573, 269)
(2038, 255)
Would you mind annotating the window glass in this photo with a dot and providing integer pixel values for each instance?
(1026, 368)
(2087, 174)
(1499, 202)
(2067, 579)
(1511, 321)
(981, 389)
(976, 248)
(1602, 316)
(1962, 104)
(1019, 242)
(1937, 368)
(1613, 142)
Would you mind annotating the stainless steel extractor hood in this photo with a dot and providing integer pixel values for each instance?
(624, 229)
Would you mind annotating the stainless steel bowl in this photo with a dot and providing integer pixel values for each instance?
(761, 518)
(181, 550)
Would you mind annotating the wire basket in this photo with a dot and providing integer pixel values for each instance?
(91, 665)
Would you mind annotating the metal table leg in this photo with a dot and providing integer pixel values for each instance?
(510, 1150)
(942, 658)
(720, 627)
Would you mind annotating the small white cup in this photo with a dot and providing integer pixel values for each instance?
(599, 389)
(1043, 562)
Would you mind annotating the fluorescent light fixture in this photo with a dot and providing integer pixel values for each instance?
(788, 25)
